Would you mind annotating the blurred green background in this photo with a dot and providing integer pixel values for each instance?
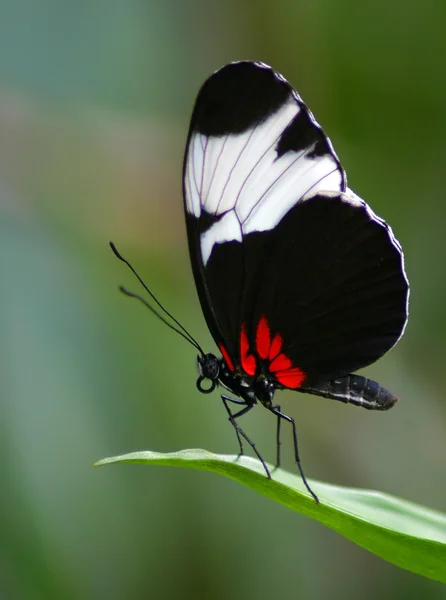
(95, 101)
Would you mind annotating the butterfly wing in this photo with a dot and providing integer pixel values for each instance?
(295, 274)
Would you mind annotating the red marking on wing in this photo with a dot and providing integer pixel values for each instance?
(291, 378)
(248, 361)
(280, 365)
(263, 338)
(228, 359)
(276, 346)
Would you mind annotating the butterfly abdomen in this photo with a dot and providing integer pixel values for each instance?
(354, 389)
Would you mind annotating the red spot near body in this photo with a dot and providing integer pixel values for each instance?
(291, 378)
(228, 359)
(248, 361)
(263, 338)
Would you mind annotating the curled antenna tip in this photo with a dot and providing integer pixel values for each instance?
(126, 291)
(116, 253)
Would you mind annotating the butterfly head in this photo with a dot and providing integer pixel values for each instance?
(209, 368)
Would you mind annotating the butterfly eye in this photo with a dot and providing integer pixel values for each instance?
(209, 366)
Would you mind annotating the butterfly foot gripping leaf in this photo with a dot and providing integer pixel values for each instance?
(300, 282)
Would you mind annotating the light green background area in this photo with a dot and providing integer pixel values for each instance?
(95, 100)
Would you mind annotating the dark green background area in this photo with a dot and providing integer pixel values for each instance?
(95, 100)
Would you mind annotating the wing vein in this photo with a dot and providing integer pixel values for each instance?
(234, 165)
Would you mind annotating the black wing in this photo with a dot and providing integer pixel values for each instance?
(296, 275)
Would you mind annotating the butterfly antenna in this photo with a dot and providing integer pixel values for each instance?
(182, 330)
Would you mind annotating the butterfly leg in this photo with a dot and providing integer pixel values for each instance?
(276, 411)
(227, 399)
(278, 440)
(239, 431)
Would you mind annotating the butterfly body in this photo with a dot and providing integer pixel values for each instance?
(250, 388)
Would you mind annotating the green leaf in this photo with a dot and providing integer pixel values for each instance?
(403, 533)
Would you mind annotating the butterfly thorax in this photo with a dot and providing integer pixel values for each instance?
(250, 388)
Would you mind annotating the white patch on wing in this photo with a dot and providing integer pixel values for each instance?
(192, 175)
(241, 175)
(227, 229)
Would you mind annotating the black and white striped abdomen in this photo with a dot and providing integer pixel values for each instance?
(354, 389)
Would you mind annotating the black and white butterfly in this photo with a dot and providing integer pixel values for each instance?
(300, 282)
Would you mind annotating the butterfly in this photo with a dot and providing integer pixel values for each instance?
(299, 281)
